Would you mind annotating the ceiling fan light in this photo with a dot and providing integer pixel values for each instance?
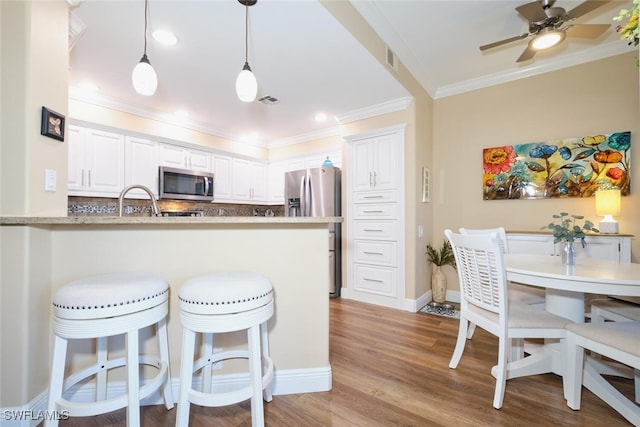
(144, 77)
(547, 40)
(246, 84)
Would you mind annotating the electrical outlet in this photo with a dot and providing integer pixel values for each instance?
(420, 231)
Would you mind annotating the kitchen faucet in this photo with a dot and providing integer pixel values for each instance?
(154, 202)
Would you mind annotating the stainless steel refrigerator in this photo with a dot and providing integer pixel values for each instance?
(317, 192)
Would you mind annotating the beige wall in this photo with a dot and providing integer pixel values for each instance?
(593, 98)
(34, 69)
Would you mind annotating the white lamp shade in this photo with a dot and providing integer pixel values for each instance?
(547, 39)
(608, 202)
(144, 78)
(246, 86)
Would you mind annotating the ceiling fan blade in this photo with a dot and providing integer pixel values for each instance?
(587, 31)
(533, 12)
(528, 53)
(505, 41)
(585, 8)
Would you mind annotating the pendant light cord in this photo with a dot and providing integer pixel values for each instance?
(246, 33)
(146, 5)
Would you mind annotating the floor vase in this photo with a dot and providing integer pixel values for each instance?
(438, 285)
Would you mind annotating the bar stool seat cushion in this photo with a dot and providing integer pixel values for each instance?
(110, 295)
(225, 293)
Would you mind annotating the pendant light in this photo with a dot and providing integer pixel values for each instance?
(144, 77)
(246, 83)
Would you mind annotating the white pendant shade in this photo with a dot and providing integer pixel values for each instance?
(246, 85)
(144, 78)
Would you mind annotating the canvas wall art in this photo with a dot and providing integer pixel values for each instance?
(574, 167)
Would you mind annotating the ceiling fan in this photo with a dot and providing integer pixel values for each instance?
(548, 25)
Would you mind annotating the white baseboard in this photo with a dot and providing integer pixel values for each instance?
(291, 381)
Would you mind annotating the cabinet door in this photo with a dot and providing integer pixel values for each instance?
(241, 179)
(258, 181)
(362, 166)
(141, 165)
(199, 160)
(105, 162)
(275, 181)
(172, 155)
(384, 160)
(222, 177)
(76, 141)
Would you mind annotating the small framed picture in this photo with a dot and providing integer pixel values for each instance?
(52, 124)
(425, 184)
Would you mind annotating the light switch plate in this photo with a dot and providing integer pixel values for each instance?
(49, 180)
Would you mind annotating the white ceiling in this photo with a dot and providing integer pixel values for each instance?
(303, 57)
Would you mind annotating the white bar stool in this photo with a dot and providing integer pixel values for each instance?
(218, 303)
(100, 307)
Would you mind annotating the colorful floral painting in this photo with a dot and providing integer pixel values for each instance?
(575, 167)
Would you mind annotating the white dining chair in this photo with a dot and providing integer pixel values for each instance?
(517, 293)
(615, 340)
(484, 302)
(615, 310)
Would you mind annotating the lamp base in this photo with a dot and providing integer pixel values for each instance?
(608, 227)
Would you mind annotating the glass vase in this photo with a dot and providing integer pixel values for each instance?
(568, 254)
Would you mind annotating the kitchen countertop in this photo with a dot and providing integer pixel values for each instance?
(114, 220)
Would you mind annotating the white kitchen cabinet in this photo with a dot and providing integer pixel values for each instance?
(181, 157)
(222, 177)
(141, 165)
(249, 181)
(375, 214)
(96, 162)
(603, 246)
(374, 163)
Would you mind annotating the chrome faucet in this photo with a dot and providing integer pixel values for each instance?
(154, 202)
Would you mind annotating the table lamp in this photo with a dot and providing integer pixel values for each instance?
(608, 205)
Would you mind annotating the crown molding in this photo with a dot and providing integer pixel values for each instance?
(375, 110)
(562, 61)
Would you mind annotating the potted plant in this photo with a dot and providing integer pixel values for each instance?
(439, 258)
(566, 229)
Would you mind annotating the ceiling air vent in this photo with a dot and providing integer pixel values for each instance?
(269, 100)
(392, 61)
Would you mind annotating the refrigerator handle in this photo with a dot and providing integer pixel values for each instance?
(302, 193)
(307, 195)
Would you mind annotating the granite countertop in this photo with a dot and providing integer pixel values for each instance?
(114, 220)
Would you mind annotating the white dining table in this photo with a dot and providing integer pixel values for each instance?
(565, 286)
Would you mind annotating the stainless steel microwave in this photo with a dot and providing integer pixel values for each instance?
(185, 184)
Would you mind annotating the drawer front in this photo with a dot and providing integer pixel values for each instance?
(379, 253)
(375, 196)
(381, 211)
(376, 230)
(380, 281)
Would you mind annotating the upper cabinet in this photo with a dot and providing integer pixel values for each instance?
(96, 162)
(373, 162)
(222, 177)
(184, 158)
(249, 181)
(102, 163)
(141, 165)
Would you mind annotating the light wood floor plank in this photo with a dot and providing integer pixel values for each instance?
(390, 368)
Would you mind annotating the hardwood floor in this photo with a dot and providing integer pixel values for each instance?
(390, 368)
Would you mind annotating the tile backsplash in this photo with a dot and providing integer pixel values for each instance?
(106, 206)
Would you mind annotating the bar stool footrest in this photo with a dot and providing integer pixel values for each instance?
(85, 409)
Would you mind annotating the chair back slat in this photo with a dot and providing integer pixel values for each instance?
(480, 265)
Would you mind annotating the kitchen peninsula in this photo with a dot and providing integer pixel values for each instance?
(41, 254)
